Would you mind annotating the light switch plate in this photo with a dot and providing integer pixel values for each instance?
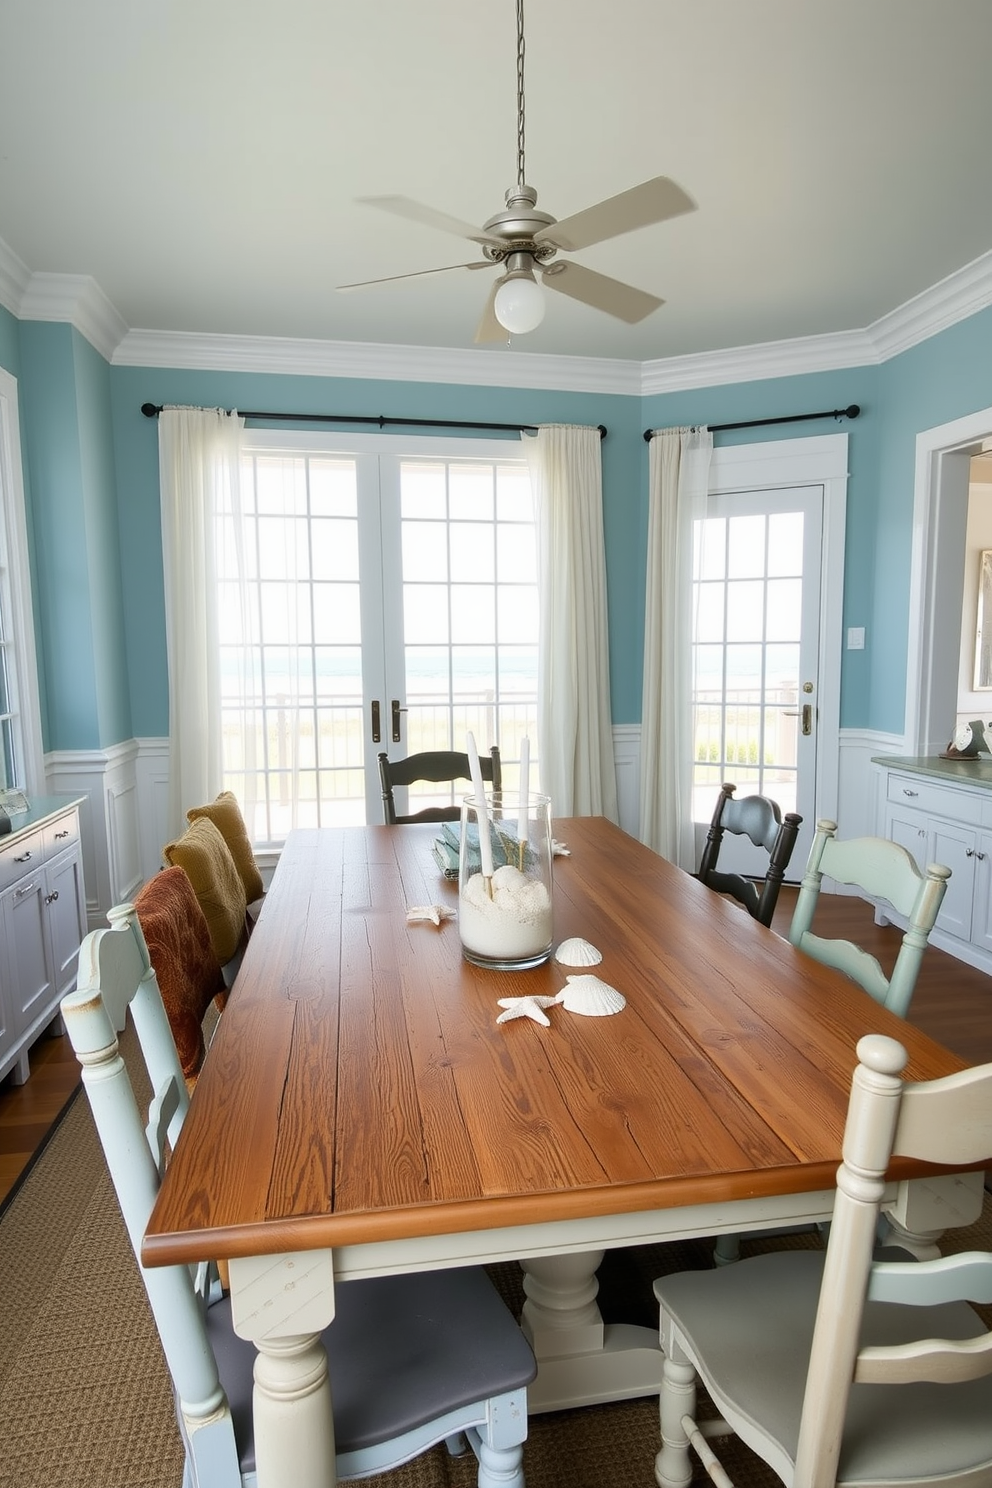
(855, 638)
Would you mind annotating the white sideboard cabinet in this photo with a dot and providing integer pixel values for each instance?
(941, 811)
(42, 922)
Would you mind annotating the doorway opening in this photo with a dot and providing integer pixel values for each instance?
(944, 457)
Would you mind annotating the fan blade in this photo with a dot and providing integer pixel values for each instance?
(489, 327)
(598, 290)
(404, 206)
(652, 201)
(482, 263)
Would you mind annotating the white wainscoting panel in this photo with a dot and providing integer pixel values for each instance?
(627, 757)
(152, 778)
(108, 821)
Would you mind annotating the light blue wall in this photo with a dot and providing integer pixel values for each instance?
(68, 449)
(103, 558)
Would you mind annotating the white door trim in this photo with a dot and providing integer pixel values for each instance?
(819, 460)
(940, 513)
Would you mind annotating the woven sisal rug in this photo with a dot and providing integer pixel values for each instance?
(84, 1393)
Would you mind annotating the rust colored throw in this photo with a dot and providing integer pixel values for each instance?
(183, 958)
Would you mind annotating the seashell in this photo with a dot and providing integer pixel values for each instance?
(578, 952)
(591, 996)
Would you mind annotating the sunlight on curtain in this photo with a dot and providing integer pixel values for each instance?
(199, 473)
(678, 481)
(574, 724)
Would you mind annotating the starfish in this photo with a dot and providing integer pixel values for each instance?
(433, 912)
(525, 1007)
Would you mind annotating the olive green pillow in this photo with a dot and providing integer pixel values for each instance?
(225, 813)
(204, 854)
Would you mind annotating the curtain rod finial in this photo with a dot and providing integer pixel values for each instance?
(151, 410)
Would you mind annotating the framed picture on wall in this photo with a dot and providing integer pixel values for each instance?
(983, 630)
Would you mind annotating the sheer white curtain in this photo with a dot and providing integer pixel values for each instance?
(199, 474)
(575, 734)
(678, 480)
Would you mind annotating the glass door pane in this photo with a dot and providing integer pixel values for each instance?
(756, 567)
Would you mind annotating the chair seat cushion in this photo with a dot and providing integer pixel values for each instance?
(225, 813)
(402, 1351)
(205, 856)
(752, 1323)
(182, 957)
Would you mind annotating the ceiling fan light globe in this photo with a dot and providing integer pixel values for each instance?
(519, 304)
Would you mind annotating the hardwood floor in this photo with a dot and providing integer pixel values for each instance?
(27, 1111)
(952, 1002)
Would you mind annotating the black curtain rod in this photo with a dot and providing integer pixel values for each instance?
(850, 412)
(152, 410)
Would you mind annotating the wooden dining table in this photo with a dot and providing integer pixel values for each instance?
(361, 1111)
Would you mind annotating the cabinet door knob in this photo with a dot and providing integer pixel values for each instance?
(51, 898)
(980, 857)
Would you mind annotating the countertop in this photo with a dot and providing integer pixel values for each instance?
(950, 771)
(40, 808)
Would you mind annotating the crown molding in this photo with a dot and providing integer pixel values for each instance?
(380, 362)
(961, 294)
(14, 279)
(754, 363)
(78, 300)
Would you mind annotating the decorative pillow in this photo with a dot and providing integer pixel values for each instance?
(225, 813)
(183, 959)
(204, 854)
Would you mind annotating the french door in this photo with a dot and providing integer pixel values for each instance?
(756, 649)
(391, 605)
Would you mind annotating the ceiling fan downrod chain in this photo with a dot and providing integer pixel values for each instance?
(521, 173)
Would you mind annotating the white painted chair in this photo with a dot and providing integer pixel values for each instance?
(882, 870)
(414, 1360)
(792, 1345)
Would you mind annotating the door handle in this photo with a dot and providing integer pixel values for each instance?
(807, 724)
(395, 711)
(376, 727)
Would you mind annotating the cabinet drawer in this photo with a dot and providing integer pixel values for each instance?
(21, 857)
(61, 833)
(936, 800)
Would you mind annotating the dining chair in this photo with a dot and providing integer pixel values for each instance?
(760, 819)
(837, 1367)
(414, 1360)
(176, 940)
(207, 860)
(436, 766)
(225, 813)
(882, 870)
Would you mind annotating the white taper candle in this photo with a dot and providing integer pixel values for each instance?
(522, 825)
(482, 811)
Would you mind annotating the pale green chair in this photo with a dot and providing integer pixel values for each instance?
(882, 870)
(840, 1369)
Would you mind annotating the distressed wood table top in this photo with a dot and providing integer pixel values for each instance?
(359, 1089)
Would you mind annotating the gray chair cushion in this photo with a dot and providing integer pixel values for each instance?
(402, 1351)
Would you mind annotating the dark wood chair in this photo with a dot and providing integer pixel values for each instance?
(435, 766)
(760, 819)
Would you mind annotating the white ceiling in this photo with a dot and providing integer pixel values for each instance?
(201, 160)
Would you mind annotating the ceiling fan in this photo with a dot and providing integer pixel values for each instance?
(523, 241)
